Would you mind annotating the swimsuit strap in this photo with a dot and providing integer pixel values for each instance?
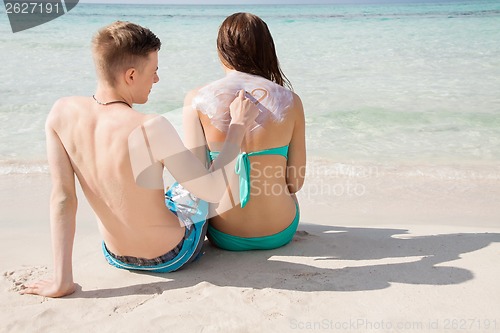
(283, 151)
(242, 169)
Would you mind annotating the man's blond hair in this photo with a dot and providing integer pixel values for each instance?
(120, 46)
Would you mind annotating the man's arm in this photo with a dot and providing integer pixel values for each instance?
(194, 137)
(157, 140)
(63, 205)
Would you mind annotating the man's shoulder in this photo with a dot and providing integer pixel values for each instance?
(190, 96)
(154, 121)
(64, 107)
(70, 101)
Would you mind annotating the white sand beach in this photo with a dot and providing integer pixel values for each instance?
(406, 261)
(400, 218)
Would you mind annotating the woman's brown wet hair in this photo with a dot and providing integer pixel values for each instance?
(246, 45)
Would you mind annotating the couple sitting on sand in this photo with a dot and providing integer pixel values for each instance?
(244, 152)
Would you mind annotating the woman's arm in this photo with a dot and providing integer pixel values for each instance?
(296, 165)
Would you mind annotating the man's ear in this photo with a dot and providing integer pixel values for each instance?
(130, 75)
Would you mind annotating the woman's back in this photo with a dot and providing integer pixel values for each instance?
(268, 206)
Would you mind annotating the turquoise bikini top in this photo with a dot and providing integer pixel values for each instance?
(242, 168)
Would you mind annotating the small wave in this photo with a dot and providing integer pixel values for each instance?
(289, 12)
(23, 168)
(324, 169)
(292, 17)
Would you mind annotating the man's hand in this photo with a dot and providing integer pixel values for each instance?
(243, 111)
(49, 288)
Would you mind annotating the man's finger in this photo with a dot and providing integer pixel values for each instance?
(28, 290)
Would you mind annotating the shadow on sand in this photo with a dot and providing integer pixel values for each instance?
(338, 259)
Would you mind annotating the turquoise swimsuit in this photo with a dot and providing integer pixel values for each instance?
(242, 168)
(236, 243)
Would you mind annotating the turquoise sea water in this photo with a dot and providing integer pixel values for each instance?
(398, 84)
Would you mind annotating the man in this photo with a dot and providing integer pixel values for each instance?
(118, 155)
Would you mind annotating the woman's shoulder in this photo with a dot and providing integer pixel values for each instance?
(202, 92)
(207, 86)
(296, 103)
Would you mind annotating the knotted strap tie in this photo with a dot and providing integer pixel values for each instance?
(242, 169)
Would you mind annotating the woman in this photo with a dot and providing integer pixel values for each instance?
(271, 167)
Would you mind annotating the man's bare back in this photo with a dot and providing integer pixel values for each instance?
(133, 220)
